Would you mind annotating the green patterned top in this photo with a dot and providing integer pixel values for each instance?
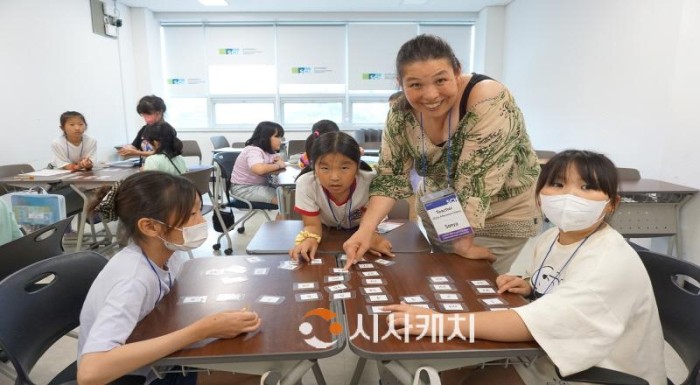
(492, 164)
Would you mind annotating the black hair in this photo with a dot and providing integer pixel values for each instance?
(595, 169)
(71, 114)
(319, 128)
(167, 139)
(150, 104)
(423, 48)
(135, 200)
(262, 134)
(335, 142)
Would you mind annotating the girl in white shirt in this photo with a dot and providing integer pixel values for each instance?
(73, 150)
(593, 303)
(333, 191)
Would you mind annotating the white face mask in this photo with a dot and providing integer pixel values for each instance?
(571, 213)
(192, 237)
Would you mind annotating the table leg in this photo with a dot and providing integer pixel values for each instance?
(359, 368)
(318, 374)
(81, 219)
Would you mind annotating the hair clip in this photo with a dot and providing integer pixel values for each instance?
(316, 133)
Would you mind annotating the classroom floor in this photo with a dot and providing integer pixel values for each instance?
(337, 370)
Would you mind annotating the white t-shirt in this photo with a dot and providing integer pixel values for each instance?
(125, 291)
(66, 153)
(312, 200)
(599, 311)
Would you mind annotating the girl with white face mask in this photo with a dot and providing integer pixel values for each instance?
(161, 228)
(592, 301)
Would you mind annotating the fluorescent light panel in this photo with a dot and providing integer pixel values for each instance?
(213, 3)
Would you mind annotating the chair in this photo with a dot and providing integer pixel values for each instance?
(401, 210)
(295, 147)
(12, 170)
(238, 145)
(37, 246)
(223, 166)
(677, 292)
(628, 174)
(219, 141)
(41, 303)
(201, 178)
(191, 148)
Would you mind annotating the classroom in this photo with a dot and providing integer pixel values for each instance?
(611, 76)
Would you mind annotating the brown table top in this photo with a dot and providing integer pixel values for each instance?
(409, 277)
(275, 237)
(277, 339)
(653, 186)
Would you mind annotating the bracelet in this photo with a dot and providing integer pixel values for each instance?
(304, 235)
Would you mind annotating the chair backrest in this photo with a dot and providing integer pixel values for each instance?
(296, 147)
(200, 177)
(219, 141)
(628, 174)
(41, 303)
(39, 245)
(237, 144)
(191, 148)
(12, 170)
(223, 166)
(678, 301)
(543, 154)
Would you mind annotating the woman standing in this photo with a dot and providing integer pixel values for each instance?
(466, 136)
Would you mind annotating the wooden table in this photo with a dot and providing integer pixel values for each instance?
(652, 208)
(278, 237)
(409, 277)
(277, 346)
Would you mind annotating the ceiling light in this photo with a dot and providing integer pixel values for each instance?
(213, 3)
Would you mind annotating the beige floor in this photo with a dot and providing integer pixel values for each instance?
(337, 370)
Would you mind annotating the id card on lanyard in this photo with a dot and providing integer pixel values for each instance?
(447, 215)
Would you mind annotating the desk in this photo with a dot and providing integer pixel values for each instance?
(278, 237)
(408, 277)
(651, 208)
(278, 345)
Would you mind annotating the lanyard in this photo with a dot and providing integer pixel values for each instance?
(424, 158)
(539, 271)
(339, 224)
(160, 287)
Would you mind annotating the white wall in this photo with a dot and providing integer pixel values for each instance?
(488, 42)
(52, 62)
(616, 76)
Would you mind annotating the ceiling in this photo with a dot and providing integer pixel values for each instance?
(317, 5)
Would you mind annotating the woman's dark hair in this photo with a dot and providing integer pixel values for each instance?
(71, 114)
(335, 142)
(423, 48)
(595, 169)
(262, 134)
(135, 200)
(166, 136)
(150, 104)
(319, 128)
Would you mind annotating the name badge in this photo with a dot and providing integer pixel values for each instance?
(446, 214)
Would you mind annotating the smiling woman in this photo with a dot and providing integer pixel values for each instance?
(466, 136)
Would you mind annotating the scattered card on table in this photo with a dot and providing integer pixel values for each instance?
(305, 285)
(254, 259)
(378, 298)
(236, 269)
(443, 287)
(495, 301)
(480, 282)
(373, 290)
(343, 295)
(411, 299)
(215, 272)
(239, 279)
(335, 278)
(440, 279)
(261, 271)
(316, 261)
(365, 266)
(451, 306)
(303, 297)
(373, 281)
(387, 226)
(485, 290)
(339, 270)
(384, 262)
(370, 273)
(194, 299)
(376, 310)
(229, 297)
(270, 299)
(338, 287)
(448, 297)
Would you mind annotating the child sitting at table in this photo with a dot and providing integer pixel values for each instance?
(333, 191)
(73, 150)
(593, 302)
(256, 161)
(167, 156)
(140, 275)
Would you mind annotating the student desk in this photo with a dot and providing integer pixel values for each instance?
(276, 237)
(79, 181)
(651, 208)
(277, 346)
(409, 277)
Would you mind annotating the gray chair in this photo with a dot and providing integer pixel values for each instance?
(219, 141)
(37, 246)
(43, 301)
(295, 147)
(12, 170)
(237, 144)
(191, 148)
(401, 210)
(201, 178)
(543, 154)
(628, 174)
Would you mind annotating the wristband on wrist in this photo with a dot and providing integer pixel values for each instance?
(303, 235)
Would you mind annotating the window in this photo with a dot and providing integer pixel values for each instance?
(236, 75)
